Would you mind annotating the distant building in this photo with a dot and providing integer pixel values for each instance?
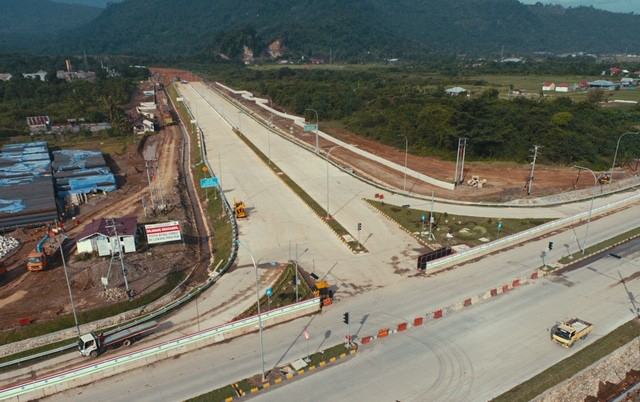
(75, 75)
(39, 124)
(42, 75)
(513, 60)
(626, 81)
(5, 76)
(603, 84)
(562, 87)
(548, 86)
(614, 71)
(315, 60)
(455, 91)
(100, 236)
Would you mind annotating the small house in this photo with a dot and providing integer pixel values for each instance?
(100, 236)
(562, 87)
(38, 124)
(455, 91)
(548, 86)
(41, 75)
(5, 76)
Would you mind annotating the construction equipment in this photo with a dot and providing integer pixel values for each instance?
(46, 249)
(92, 345)
(239, 208)
(322, 290)
(567, 333)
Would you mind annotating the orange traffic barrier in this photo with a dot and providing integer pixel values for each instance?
(534, 275)
(505, 288)
(417, 321)
(437, 314)
(402, 327)
(494, 292)
(516, 283)
(366, 340)
(467, 302)
(383, 332)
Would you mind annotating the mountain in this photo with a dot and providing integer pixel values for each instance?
(25, 23)
(349, 30)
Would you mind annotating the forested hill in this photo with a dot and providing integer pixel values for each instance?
(25, 24)
(353, 30)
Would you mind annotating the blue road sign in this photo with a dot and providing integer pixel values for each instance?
(499, 225)
(310, 127)
(209, 182)
(269, 292)
(424, 218)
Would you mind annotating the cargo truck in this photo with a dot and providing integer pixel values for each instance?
(568, 332)
(45, 251)
(93, 345)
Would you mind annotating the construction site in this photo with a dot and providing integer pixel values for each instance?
(60, 208)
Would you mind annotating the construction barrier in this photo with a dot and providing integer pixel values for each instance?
(437, 314)
(417, 322)
(494, 292)
(402, 327)
(366, 340)
(534, 275)
(516, 283)
(467, 302)
(383, 332)
(505, 288)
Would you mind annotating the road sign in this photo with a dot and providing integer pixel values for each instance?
(209, 182)
(499, 225)
(204, 169)
(269, 292)
(306, 335)
(310, 127)
(424, 217)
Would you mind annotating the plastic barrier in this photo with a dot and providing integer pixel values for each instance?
(383, 332)
(437, 314)
(402, 327)
(366, 340)
(467, 302)
(505, 288)
(494, 292)
(516, 283)
(417, 322)
(534, 275)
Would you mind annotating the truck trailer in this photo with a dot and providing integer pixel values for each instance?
(568, 332)
(93, 345)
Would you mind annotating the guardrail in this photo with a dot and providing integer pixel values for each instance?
(51, 384)
(528, 233)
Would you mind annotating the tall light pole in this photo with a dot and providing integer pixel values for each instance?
(269, 136)
(66, 275)
(317, 143)
(615, 155)
(255, 266)
(328, 153)
(593, 194)
(406, 150)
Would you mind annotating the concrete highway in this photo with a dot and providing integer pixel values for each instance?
(471, 355)
(385, 280)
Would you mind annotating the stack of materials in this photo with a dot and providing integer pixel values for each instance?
(81, 172)
(7, 246)
(26, 185)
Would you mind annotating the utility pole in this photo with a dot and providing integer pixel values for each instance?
(111, 224)
(462, 150)
(533, 166)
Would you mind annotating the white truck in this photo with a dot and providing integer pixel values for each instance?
(568, 332)
(92, 345)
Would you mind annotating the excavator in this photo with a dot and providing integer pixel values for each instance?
(239, 208)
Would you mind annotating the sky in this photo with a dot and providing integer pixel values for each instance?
(617, 6)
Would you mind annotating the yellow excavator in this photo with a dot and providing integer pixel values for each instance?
(239, 208)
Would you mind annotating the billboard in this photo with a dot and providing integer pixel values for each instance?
(163, 232)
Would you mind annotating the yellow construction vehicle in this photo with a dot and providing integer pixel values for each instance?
(239, 208)
(322, 290)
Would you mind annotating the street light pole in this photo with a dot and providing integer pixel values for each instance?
(66, 275)
(328, 153)
(255, 266)
(615, 155)
(269, 137)
(317, 143)
(406, 150)
(593, 194)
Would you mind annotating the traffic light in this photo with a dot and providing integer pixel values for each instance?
(550, 245)
(359, 226)
(345, 318)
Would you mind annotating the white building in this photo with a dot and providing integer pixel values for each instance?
(42, 75)
(100, 236)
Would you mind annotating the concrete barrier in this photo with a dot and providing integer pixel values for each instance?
(402, 327)
(437, 314)
(494, 292)
(417, 321)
